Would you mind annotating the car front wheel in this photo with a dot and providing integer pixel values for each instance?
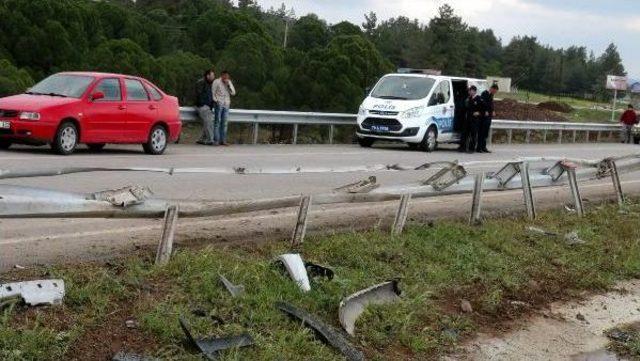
(157, 142)
(66, 139)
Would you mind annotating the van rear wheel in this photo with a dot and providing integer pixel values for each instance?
(366, 142)
(430, 140)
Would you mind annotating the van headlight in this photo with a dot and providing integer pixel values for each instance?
(412, 113)
(362, 111)
(32, 116)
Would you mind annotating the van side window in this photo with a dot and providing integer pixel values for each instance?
(441, 94)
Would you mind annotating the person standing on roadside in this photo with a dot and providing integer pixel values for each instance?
(223, 90)
(485, 120)
(473, 107)
(204, 104)
(628, 119)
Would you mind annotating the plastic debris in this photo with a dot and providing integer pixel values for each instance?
(352, 307)
(210, 347)
(235, 290)
(327, 333)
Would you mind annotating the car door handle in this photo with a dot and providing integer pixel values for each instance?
(152, 107)
(122, 107)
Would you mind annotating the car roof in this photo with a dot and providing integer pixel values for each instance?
(98, 74)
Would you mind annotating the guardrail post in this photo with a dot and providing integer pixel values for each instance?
(527, 191)
(527, 138)
(490, 137)
(613, 168)
(575, 191)
(610, 134)
(295, 134)
(165, 246)
(331, 129)
(476, 201)
(544, 136)
(560, 136)
(599, 137)
(256, 129)
(401, 215)
(587, 137)
(509, 136)
(301, 223)
(574, 136)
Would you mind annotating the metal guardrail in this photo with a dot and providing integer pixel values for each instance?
(257, 117)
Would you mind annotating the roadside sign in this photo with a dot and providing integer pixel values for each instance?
(616, 82)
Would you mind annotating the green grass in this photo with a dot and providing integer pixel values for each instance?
(532, 97)
(438, 266)
(625, 341)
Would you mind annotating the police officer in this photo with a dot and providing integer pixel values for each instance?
(474, 107)
(485, 120)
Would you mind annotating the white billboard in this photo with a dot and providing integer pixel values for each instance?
(616, 82)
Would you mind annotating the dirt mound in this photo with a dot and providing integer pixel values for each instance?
(511, 109)
(561, 107)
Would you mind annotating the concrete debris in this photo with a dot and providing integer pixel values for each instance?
(580, 317)
(34, 293)
(541, 231)
(573, 239)
(235, 290)
(210, 347)
(362, 186)
(124, 197)
(131, 323)
(327, 333)
(122, 356)
(354, 305)
(466, 306)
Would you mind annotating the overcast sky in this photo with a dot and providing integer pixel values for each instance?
(590, 23)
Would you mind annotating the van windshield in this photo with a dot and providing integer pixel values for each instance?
(403, 87)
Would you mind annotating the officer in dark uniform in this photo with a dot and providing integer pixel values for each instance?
(474, 107)
(485, 121)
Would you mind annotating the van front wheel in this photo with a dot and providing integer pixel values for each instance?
(366, 142)
(430, 140)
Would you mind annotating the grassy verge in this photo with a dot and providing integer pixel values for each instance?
(504, 271)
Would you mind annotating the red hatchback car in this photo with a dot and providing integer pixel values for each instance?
(69, 108)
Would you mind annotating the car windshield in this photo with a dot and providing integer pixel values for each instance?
(63, 85)
(403, 87)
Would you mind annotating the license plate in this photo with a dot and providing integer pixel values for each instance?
(5, 125)
(379, 128)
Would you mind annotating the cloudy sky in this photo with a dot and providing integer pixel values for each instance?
(591, 23)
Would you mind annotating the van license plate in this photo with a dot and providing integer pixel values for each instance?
(379, 128)
(5, 125)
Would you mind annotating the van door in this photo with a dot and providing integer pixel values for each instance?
(441, 109)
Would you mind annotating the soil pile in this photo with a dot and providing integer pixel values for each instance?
(510, 109)
(561, 107)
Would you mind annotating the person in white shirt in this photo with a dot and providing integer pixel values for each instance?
(223, 90)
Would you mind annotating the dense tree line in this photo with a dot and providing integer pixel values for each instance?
(314, 66)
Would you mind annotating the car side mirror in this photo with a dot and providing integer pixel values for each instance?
(97, 96)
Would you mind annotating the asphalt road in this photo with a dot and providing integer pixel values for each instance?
(31, 241)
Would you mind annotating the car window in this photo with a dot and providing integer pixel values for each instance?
(135, 90)
(155, 93)
(110, 88)
(441, 93)
(64, 85)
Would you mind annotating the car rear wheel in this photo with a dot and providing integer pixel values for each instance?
(157, 142)
(430, 140)
(66, 139)
(96, 147)
(5, 144)
(366, 142)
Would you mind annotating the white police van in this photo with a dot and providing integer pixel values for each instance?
(418, 109)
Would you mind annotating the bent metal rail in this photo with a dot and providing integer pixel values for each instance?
(257, 117)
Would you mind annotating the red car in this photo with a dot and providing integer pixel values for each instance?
(69, 108)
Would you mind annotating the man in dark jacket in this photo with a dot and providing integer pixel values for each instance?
(204, 104)
(485, 121)
(473, 107)
(628, 120)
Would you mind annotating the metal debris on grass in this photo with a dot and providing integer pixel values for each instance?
(211, 347)
(327, 333)
(235, 290)
(541, 231)
(34, 293)
(353, 306)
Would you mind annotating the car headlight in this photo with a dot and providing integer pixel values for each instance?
(362, 111)
(412, 113)
(32, 116)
